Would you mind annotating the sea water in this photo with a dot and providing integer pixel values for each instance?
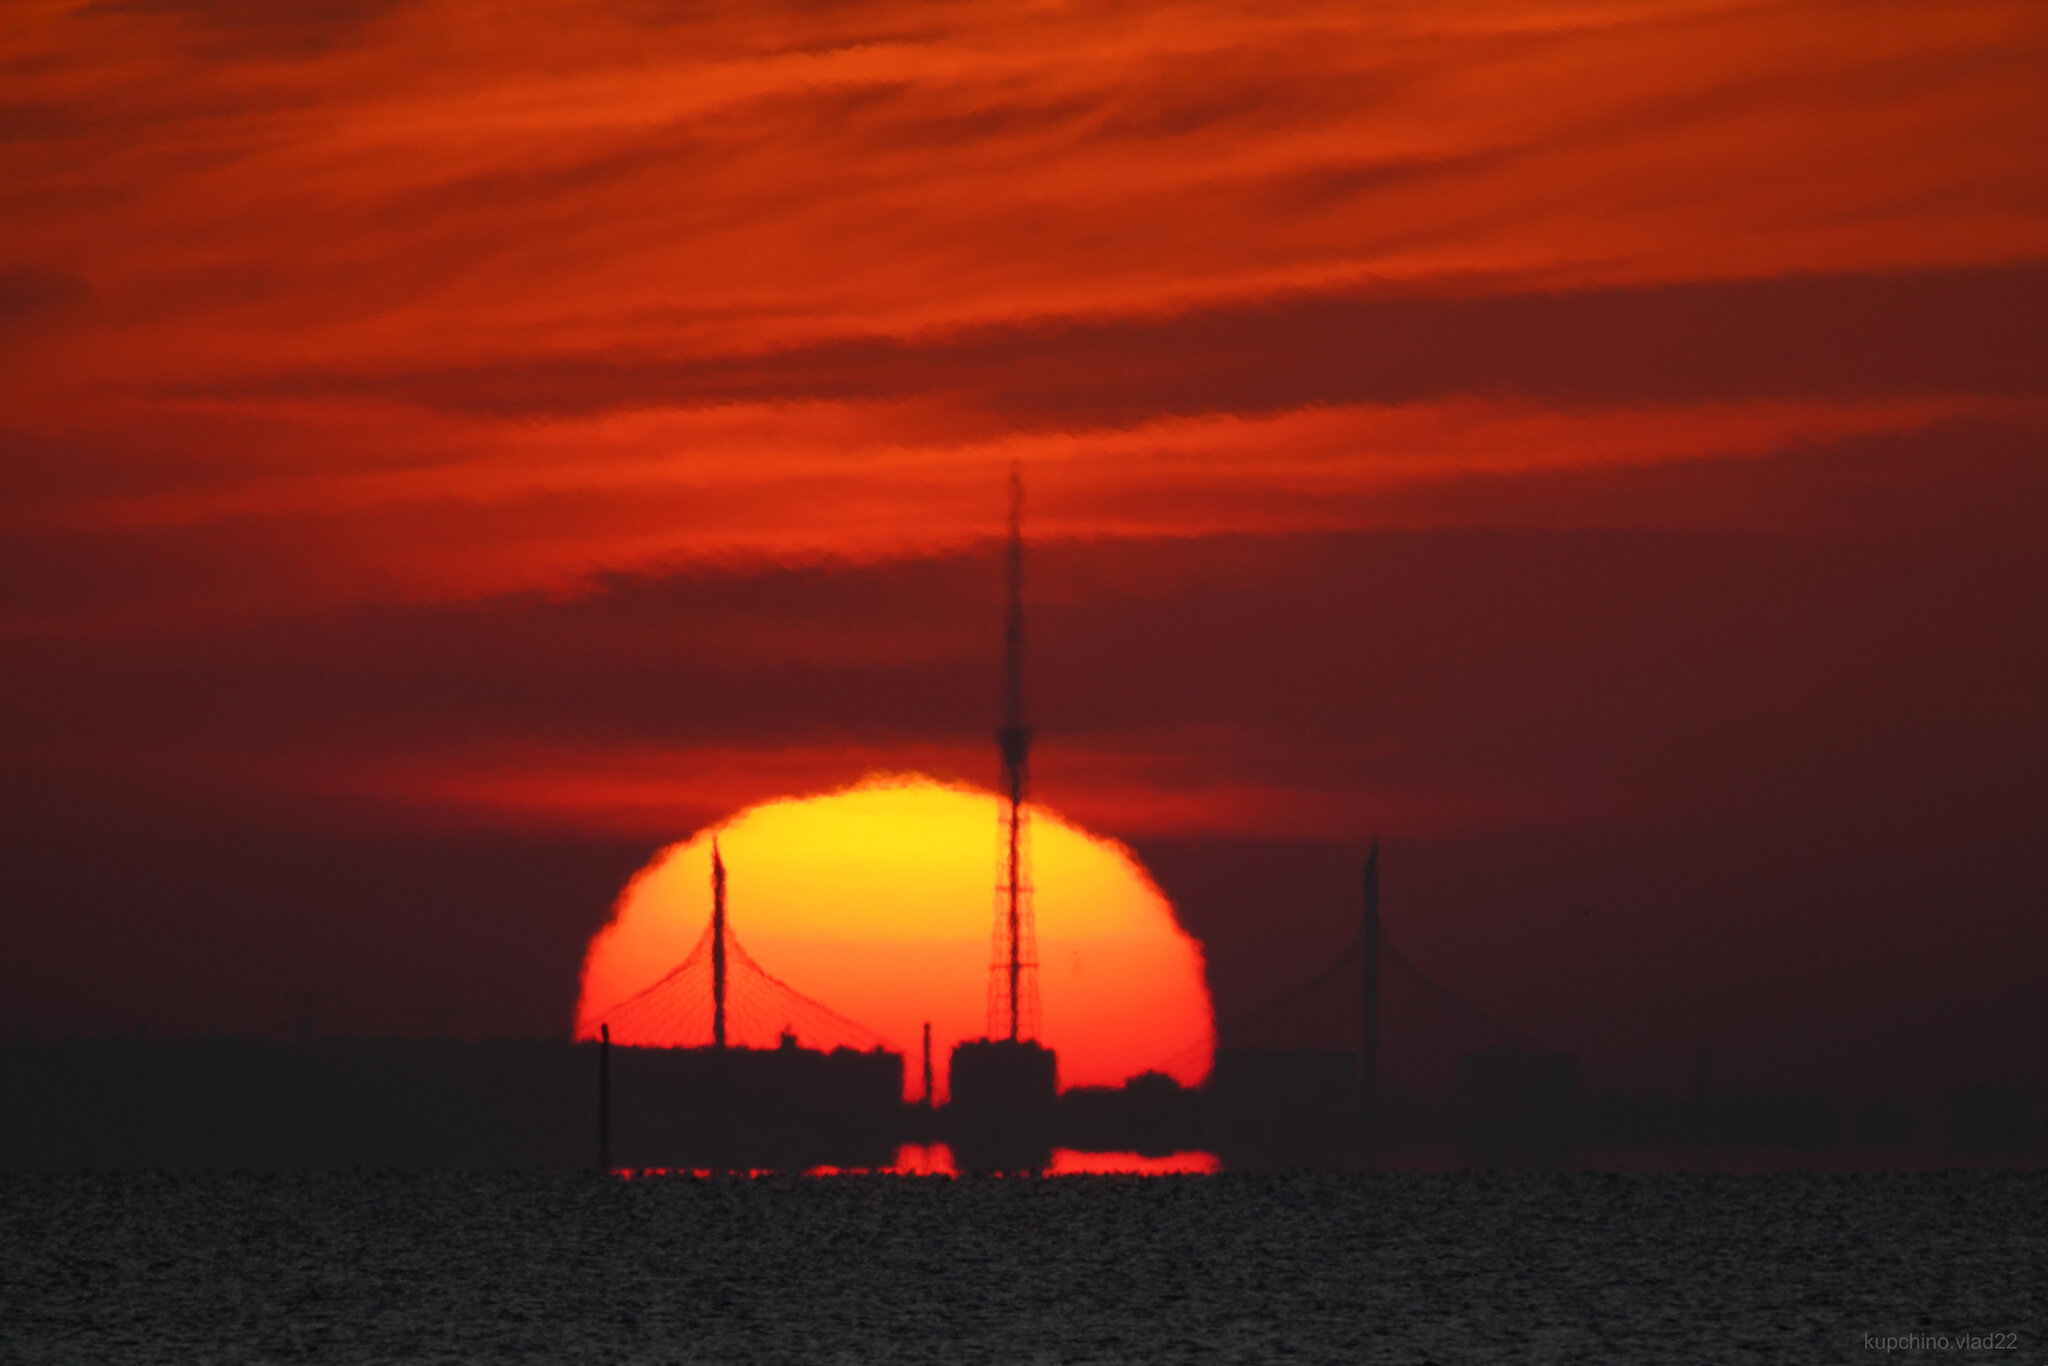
(393, 1267)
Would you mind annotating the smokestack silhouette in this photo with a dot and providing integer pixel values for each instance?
(1369, 1038)
(927, 1064)
(1013, 979)
(717, 947)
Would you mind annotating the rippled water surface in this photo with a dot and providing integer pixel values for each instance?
(361, 1268)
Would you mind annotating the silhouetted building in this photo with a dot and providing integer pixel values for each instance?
(786, 1108)
(1740, 1121)
(1283, 1107)
(1885, 1124)
(1151, 1114)
(1987, 1120)
(1002, 1108)
(1517, 1108)
(227, 1103)
(1619, 1119)
(262, 1105)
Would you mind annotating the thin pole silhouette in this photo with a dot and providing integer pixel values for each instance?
(1369, 1034)
(604, 1098)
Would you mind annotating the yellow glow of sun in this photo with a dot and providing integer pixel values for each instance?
(878, 902)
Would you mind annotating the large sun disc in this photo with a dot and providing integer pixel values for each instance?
(876, 903)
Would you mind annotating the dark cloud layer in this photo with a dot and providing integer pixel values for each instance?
(1972, 331)
(29, 294)
(255, 28)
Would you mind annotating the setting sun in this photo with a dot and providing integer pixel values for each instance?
(876, 903)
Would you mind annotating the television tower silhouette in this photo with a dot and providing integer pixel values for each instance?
(1013, 975)
(1004, 1087)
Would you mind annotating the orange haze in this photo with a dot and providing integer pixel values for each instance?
(877, 903)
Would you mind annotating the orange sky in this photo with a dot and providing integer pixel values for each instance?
(426, 300)
(381, 303)
(570, 425)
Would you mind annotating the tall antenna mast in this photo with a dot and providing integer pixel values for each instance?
(1013, 979)
(717, 947)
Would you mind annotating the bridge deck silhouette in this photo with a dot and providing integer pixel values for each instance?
(680, 1009)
